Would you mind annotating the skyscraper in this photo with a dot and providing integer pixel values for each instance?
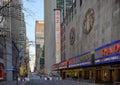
(49, 6)
(64, 6)
(14, 26)
(50, 39)
(39, 39)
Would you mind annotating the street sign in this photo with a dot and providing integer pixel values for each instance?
(10, 69)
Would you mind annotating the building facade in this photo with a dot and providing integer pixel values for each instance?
(39, 39)
(1, 47)
(10, 34)
(90, 41)
(64, 6)
(49, 30)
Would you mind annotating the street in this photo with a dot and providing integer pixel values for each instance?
(51, 82)
(36, 80)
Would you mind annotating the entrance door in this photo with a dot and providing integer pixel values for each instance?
(98, 75)
(111, 75)
(63, 75)
(86, 75)
(80, 74)
(119, 75)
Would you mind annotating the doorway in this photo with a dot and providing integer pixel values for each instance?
(64, 75)
(119, 75)
(98, 75)
(112, 75)
(80, 74)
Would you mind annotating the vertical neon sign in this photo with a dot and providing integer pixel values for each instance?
(57, 35)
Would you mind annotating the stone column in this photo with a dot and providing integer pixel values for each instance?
(9, 74)
(116, 75)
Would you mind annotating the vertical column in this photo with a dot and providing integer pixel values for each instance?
(9, 75)
(116, 75)
(9, 67)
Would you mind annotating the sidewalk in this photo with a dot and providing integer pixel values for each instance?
(86, 82)
(7, 82)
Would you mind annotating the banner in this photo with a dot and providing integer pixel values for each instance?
(57, 35)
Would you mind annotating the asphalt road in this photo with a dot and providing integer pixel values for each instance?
(51, 82)
(36, 80)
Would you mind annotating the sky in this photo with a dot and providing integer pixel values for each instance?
(33, 10)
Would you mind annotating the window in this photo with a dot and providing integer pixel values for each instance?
(80, 3)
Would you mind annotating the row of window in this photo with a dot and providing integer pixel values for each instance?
(71, 12)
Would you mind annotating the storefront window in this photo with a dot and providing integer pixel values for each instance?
(105, 75)
(86, 74)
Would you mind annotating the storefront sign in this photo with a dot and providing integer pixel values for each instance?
(85, 57)
(72, 62)
(63, 65)
(109, 50)
(81, 60)
(55, 67)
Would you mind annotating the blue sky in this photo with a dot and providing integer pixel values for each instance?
(33, 10)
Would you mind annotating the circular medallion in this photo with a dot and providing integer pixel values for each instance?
(88, 21)
(72, 36)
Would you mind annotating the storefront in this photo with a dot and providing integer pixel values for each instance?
(78, 66)
(102, 66)
(63, 67)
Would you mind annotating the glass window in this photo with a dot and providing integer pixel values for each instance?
(80, 2)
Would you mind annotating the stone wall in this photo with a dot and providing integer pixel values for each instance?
(105, 26)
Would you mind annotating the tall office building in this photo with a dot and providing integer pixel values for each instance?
(1, 47)
(10, 27)
(64, 6)
(39, 39)
(50, 39)
(49, 6)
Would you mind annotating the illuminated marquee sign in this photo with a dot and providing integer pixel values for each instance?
(85, 57)
(72, 62)
(55, 67)
(108, 50)
(63, 65)
(82, 60)
(108, 53)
